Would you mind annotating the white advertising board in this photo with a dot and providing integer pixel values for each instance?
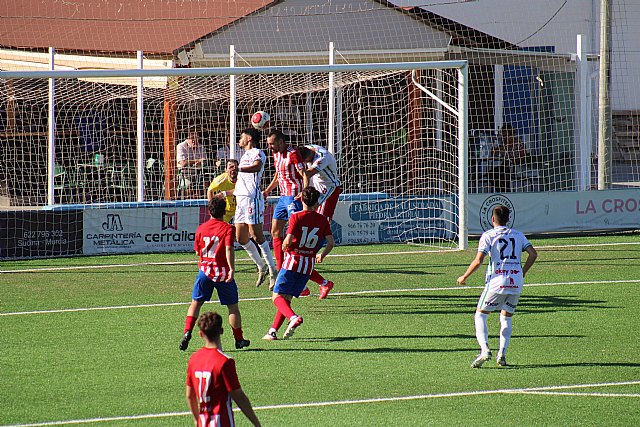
(559, 211)
(136, 230)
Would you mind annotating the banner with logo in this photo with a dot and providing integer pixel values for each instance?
(559, 211)
(145, 229)
(377, 218)
(30, 234)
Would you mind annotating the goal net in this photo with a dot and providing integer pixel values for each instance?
(395, 132)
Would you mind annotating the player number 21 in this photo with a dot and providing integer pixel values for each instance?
(309, 238)
(504, 246)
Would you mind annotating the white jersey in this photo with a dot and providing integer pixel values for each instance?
(504, 247)
(248, 183)
(326, 180)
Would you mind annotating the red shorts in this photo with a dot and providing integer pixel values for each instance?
(328, 207)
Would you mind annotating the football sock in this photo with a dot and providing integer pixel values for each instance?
(268, 256)
(237, 334)
(316, 277)
(277, 250)
(252, 251)
(505, 333)
(482, 333)
(189, 323)
(284, 307)
(278, 320)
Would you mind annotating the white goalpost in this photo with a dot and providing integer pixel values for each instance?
(398, 131)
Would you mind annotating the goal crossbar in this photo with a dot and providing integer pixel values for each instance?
(226, 71)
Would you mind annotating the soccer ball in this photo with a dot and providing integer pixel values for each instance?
(259, 119)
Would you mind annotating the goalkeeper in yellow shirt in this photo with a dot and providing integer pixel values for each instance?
(224, 184)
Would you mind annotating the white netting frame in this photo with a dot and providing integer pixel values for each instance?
(197, 99)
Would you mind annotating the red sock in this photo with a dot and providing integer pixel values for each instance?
(277, 250)
(316, 277)
(278, 320)
(237, 334)
(189, 323)
(284, 307)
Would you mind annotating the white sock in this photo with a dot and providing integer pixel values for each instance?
(268, 256)
(482, 333)
(253, 254)
(505, 333)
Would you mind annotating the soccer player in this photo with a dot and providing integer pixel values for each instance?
(288, 177)
(503, 282)
(225, 183)
(322, 174)
(214, 245)
(249, 216)
(212, 380)
(305, 234)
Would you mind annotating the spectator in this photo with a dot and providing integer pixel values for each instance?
(509, 153)
(190, 157)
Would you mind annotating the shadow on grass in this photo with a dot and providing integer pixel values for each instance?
(576, 364)
(363, 350)
(450, 336)
(458, 304)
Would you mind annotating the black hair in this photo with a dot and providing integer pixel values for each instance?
(278, 134)
(254, 134)
(304, 151)
(217, 206)
(501, 214)
(310, 196)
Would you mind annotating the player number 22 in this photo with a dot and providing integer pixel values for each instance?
(309, 238)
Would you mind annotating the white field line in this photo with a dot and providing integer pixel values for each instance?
(91, 267)
(365, 292)
(533, 390)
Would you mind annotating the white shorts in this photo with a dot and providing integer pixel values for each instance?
(249, 210)
(491, 302)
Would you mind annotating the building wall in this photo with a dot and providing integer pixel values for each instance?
(520, 22)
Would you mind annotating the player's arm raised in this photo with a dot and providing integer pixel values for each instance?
(254, 167)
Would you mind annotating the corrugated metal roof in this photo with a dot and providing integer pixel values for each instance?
(153, 26)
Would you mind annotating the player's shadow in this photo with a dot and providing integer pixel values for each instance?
(444, 336)
(382, 350)
(576, 365)
(459, 304)
(555, 303)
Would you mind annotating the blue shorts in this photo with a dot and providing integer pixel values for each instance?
(203, 290)
(286, 206)
(290, 283)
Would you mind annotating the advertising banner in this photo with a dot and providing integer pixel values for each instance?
(135, 230)
(559, 211)
(370, 219)
(29, 234)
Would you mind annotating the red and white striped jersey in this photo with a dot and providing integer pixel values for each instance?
(211, 242)
(308, 230)
(289, 166)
